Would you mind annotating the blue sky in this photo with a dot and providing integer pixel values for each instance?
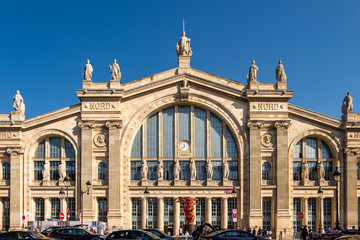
(44, 46)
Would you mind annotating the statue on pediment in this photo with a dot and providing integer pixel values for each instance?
(62, 171)
(183, 46)
(144, 170)
(226, 170)
(280, 73)
(160, 170)
(251, 77)
(347, 105)
(321, 170)
(177, 169)
(88, 70)
(115, 71)
(45, 171)
(305, 171)
(19, 105)
(192, 170)
(209, 170)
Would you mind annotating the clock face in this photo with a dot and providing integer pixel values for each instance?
(184, 146)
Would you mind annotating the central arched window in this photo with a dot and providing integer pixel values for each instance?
(54, 150)
(184, 132)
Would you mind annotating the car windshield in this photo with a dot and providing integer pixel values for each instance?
(157, 233)
(36, 235)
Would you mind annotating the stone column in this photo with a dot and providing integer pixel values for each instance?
(321, 215)
(115, 196)
(350, 178)
(176, 217)
(47, 208)
(224, 213)
(143, 212)
(160, 202)
(1, 211)
(283, 214)
(86, 168)
(305, 211)
(208, 210)
(16, 187)
(255, 213)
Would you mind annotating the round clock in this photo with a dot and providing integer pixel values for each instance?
(184, 146)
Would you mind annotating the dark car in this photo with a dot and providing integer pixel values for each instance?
(49, 230)
(74, 233)
(23, 235)
(161, 234)
(335, 235)
(133, 234)
(231, 235)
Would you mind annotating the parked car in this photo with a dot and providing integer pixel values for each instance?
(22, 235)
(161, 234)
(232, 234)
(336, 235)
(132, 234)
(49, 230)
(74, 233)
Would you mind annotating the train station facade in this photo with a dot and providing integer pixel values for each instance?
(237, 148)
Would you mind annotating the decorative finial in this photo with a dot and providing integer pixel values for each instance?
(280, 73)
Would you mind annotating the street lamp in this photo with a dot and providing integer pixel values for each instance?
(320, 194)
(82, 192)
(146, 193)
(336, 175)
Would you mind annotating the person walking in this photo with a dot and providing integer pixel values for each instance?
(304, 233)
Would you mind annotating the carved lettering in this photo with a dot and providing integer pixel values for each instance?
(99, 106)
(5, 135)
(356, 135)
(268, 106)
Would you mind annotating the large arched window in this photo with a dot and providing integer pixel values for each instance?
(53, 151)
(266, 171)
(184, 132)
(6, 171)
(102, 171)
(312, 151)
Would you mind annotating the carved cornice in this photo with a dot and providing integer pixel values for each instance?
(114, 124)
(86, 124)
(352, 151)
(282, 124)
(15, 150)
(254, 124)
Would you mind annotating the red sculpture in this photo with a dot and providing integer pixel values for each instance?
(188, 208)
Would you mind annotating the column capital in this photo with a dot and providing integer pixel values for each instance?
(114, 124)
(255, 124)
(282, 124)
(352, 151)
(86, 124)
(15, 150)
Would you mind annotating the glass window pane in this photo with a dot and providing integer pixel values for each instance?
(267, 213)
(327, 213)
(311, 148)
(200, 170)
(54, 170)
(216, 212)
(152, 213)
(136, 149)
(152, 173)
(312, 170)
(102, 209)
(217, 170)
(312, 213)
(216, 136)
(40, 150)
(231, 149)
(233, 167)
(70, 170)
(266, 171)
(55, 147)
(232, 204)
(184, 123)
(168, 128)
(39, 209)
(55, 208)
(136, 213)
(184, 170)
(168, 212)
(297, 166)
(325, 150)
(328, 170)
(296, 210)
(38, 168)
(69, 149)
(200, 132)
(6, 171)
(152, 136)
(136, 170)
(72, 208)
(168, 170)
(102, 171)
(200, 212)
(298, 150)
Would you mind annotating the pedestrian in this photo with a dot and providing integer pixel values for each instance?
(328, 230)
(107, 231)
(254, 231)
(180, 231)
(187, 235)
(304, 233)
(196, 233)
(310, 234)
(259, 231)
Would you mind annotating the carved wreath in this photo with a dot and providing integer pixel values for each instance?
(100, 140)
(266, 140)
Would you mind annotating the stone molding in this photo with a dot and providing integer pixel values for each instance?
(15, 150)
(86, 124)
(352, 151)
(282, 124)
(254, 124)
(184, 90)
(114, 124)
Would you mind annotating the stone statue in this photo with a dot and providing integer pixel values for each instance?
(226, 170)
(192, 170)
(88, 70)
(115, 71)
(251, 77)
(305, 171)
(183, 46)
(280, 73)
(62, 171)
(144, 170)
(45, 171)
(321, 170)
(347, 105)
(176, 170)
(160, 170)
(19, 105)
(209, 170)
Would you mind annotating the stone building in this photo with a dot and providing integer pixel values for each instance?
(181, 132)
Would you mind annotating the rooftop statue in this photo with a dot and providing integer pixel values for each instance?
(183, 46)
(115, 71)
(88, 70)
(280, 73)
(347, 105)
(19, 105)
(251, 77)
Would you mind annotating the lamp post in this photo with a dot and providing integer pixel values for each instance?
(82, 192)
(234, 192)
(320, 194)
(146, 193)
(336, 175)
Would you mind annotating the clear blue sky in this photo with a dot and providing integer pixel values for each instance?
(44, 46)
